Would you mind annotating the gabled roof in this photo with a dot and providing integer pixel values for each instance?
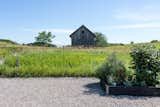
(84, 28)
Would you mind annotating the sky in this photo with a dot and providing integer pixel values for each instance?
(122, 21)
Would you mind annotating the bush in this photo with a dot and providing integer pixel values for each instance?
(132, 42)
(154, 41)
(41, 44)
(146, 63)
(113, 71)
(101, 39)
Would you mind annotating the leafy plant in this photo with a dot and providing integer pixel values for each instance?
(146, 63)
(112, 71)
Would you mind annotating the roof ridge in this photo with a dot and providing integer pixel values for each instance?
(80, 28)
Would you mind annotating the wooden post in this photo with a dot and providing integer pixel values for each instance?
(17, 62)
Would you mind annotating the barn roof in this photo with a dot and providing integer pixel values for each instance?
(84, 28)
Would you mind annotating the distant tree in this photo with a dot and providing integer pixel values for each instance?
(101, 39)
(8, 41)
(154, 41)
(44, 37)
(132, 42)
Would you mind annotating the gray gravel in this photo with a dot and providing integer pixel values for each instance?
(64, 92)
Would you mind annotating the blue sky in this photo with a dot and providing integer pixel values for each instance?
(122, 21)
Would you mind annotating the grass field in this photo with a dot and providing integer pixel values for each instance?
(24, 61)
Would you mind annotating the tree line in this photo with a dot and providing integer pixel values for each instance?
(45, 39)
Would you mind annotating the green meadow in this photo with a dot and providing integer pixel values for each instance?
(25, 61)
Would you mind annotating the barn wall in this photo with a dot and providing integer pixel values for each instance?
(82, 37)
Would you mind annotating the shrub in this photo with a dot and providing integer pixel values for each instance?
(101, 39)
(146, 63)
(41, 44)
(131, 42)
(113, 71)
(154, 41)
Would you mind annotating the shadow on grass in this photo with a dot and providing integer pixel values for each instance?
(94, 88)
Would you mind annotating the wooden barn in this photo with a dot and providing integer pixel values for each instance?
(83, 37)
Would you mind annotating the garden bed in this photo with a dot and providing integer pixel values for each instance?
(133, 91)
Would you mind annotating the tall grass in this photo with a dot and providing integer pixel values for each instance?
(44, 62)
(52, 63)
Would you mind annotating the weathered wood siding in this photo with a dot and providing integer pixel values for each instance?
(83, 37)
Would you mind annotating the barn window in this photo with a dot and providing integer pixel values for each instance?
(82, 31)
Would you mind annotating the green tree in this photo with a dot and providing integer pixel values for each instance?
(44, 37)
(101, 39)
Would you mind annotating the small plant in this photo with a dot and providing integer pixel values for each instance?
(113, 71)
(146, 63)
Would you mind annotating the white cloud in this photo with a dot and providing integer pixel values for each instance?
(143, 13)
(138, 26)
(138, 16)
(144, 17)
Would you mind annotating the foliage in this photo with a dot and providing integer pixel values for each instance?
(132, 42)
(44, 37)
(7, 41)
(146, 61)
(154, 41)
(41, 44)
(100, 39)
(112, 71)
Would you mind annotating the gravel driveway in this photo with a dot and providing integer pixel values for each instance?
(64, 92)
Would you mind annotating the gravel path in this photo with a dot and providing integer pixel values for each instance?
(64, 92)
